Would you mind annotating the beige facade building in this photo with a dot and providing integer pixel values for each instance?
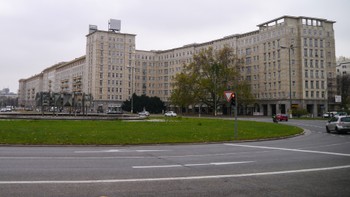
(289, 62)
(343, 68)
(64, 77)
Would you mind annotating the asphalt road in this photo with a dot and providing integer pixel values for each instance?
(314, 164)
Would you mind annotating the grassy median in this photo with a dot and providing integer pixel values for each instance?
(117, 132)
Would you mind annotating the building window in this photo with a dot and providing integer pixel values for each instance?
(310, 42)
(310, 53)
(305, 63)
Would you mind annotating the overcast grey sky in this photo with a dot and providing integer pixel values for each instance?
(36, 34)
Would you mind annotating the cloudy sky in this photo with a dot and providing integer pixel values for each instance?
(36, 34)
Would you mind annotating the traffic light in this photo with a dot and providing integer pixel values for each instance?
(233, 99)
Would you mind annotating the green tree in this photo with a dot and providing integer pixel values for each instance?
(206, 78)
(245, 96)
(143, 102)
(187, 90)
(344, 90)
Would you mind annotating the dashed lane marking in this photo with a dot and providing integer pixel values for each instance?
(192, 165)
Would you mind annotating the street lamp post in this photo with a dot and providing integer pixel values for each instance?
(291, 47)
(132, 90)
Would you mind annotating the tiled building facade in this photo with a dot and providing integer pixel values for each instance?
(286, 55)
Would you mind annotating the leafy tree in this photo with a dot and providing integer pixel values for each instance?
(187, 90)
(143, 102)
(344, 90)
(206, 78)
(8, 101)
(244, 97)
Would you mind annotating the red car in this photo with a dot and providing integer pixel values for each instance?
(281, 117)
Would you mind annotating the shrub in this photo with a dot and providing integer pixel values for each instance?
(299, 112)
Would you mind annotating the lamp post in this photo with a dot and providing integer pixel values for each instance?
(132, 90)
(291, 47)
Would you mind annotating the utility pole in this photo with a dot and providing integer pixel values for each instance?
(291, 47)
(235, 111)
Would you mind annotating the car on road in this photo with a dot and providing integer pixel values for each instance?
(339, 124)
(329, 114)
(282, 117)
(326, 115)
(144, 113)
(170, 114)
(341, 113)
(6, 109)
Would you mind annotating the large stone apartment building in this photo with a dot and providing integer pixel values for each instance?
(289, 62)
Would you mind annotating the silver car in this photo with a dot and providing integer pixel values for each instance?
(170, 114)
(339, 124)
(144, 113)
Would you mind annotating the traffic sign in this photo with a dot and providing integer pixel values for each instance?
(228, 95)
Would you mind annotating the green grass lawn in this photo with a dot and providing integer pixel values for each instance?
(173, 130)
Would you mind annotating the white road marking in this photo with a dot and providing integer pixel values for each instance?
(289, 149)
(159, 166)
(229, 163)
(178, 178)
(192, 165)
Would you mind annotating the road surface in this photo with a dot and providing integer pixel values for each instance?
(313, 164)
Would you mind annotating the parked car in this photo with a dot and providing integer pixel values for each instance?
(170, 114)
(281, 117)
(339, 124)
(334, 113)
(144, 113)
(341, 113)
(6, 109)
(113, 111)
(326, 115)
